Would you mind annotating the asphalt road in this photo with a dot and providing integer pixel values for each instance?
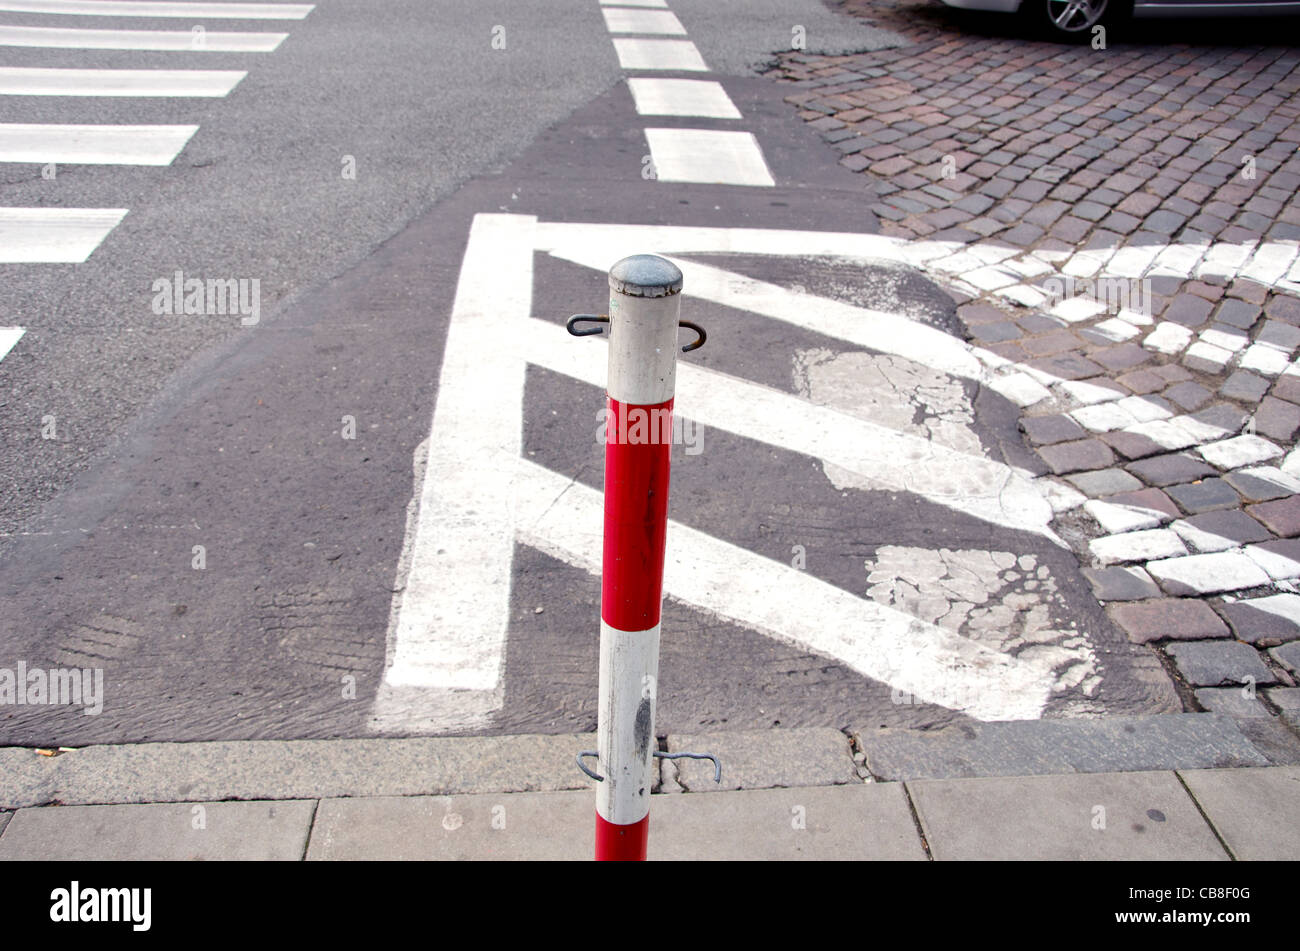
(177, 433)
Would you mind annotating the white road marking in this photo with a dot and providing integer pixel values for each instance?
(93, 144)
(885, 459)
(872, 329)
(144, 8)
(643, 21)
(633, 3)
(564, 519)
(710, 156)
(54, 235)
(682, 97)
(208, 41)
(8, 337)
(455, 606)
(477, 495)
(36, 81)
(659, 54)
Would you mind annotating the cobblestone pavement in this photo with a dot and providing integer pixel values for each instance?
(1120, 229)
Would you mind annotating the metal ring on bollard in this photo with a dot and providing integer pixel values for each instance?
(586, 318)
(699, 340)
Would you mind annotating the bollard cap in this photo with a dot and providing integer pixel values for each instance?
(646, 275)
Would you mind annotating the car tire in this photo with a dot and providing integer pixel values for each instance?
(1073, 20)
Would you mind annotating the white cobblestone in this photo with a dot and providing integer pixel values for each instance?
(1201, 540)
(1168, 337)
(1115, 329)
(1020, 388)
(1075, 309)
(1143, 410)
(1264, 359)
(1231, 340)
(1206, 357)
(1166, 433)
(1103, 417)
(1136, 318)
(1239, 451)
(1208, 574)
(1115, 518)
(1279, 567)
(1137, 546)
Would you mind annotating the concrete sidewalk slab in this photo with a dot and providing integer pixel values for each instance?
(519, 826)
(242, 831)
(761, 759)
(291, 769)
(1256, 811)
(1036, 747)
(1107, 816)
(824, 823)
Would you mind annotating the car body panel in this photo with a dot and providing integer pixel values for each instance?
(1163, 8)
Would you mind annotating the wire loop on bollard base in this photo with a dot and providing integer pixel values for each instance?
(717, 765)
(572, 326)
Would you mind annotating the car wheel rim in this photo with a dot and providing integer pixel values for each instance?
(1071, 16)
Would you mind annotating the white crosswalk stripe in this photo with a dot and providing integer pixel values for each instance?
(651, 22)
(712, 156)
(197, 40)
(70, 235)
(151, 8)
(93, 144)
(702, 98)
(659, 54)
(161, 83)
(54, 235)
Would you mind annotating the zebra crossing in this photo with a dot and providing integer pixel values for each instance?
(645, 41)
(45, 235)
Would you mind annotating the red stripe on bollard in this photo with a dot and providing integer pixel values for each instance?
(638, 441)
(615, 843)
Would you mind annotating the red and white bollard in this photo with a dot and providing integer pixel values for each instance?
(644, 308)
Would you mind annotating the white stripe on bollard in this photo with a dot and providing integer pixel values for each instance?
(629, 674)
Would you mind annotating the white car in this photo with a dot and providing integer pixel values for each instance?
(1075, 18)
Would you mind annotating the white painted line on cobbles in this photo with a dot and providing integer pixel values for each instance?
(659, 54)
(36, 81)
(703, 98)
(8, 337)
(54, 235)
(147, 8)
(660, 22)
(708, 156)
(187, 40)
(93, 144)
